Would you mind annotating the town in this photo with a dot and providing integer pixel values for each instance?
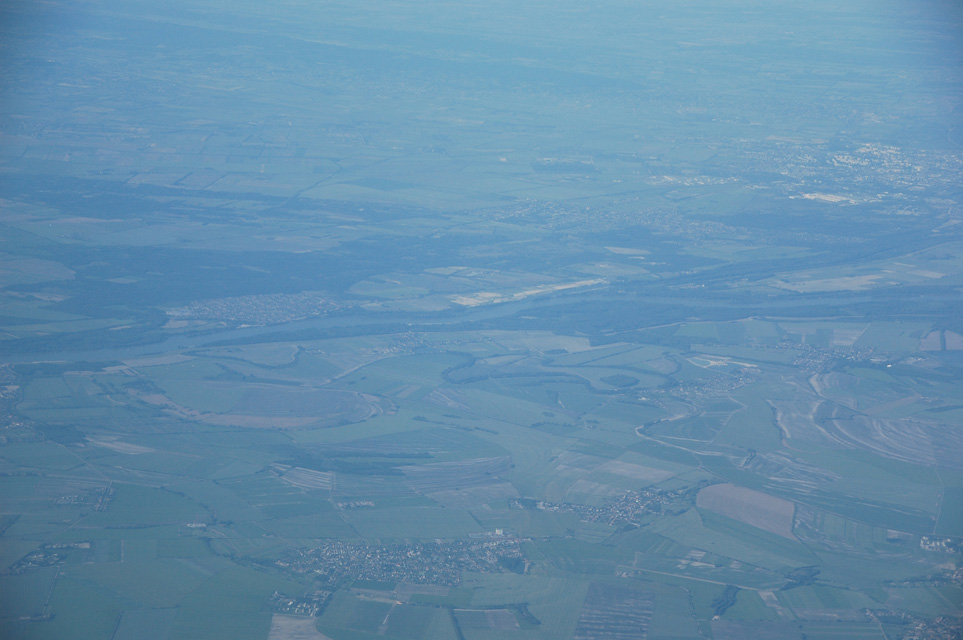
(629, 509)
(439, 562)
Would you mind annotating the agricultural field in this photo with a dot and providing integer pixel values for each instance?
(480, 322)
(614, 613)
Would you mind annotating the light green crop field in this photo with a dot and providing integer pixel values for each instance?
(26, 595)
(749, 606)
(148, 506)
(237, 595)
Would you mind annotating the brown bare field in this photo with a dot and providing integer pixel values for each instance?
(752, 507)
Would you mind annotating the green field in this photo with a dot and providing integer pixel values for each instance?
(950, 522)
